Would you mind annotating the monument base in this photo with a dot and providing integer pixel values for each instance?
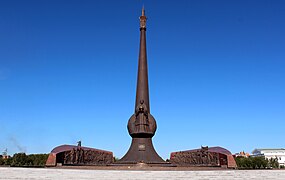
(141, 151)
(141, 165)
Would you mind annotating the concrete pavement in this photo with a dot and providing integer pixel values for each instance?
(83, 174)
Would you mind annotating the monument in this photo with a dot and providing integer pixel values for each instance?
(142, 125)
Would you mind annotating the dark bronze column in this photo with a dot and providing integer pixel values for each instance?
(142, 125)
(142, 81)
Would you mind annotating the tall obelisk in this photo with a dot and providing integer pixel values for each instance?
(142, 125)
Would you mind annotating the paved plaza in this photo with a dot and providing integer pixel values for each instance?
(69, 174)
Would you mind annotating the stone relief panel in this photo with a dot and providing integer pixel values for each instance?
(195, 158)
(79, 156)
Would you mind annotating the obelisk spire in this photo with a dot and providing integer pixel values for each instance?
(142, 93)
(142, 125)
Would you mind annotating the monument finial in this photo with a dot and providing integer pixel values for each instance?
(143, 11)
(143, 19)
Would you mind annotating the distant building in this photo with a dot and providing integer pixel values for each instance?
(6, 157)
(242, 154)
(271, 153)
(5, 154)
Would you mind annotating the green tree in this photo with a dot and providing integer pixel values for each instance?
(251, 162)
(7, 162)
(38, 159)
(1, 160)
(116, 159)
(259, 162)
(32, 160)
(19, 159)
(273, 163)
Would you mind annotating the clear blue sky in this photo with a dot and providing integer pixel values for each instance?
(68, 72)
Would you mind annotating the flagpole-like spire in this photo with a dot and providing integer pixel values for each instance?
(142, 93)
(143, 12)
(142, 125)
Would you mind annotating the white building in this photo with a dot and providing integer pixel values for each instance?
(271, 153)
